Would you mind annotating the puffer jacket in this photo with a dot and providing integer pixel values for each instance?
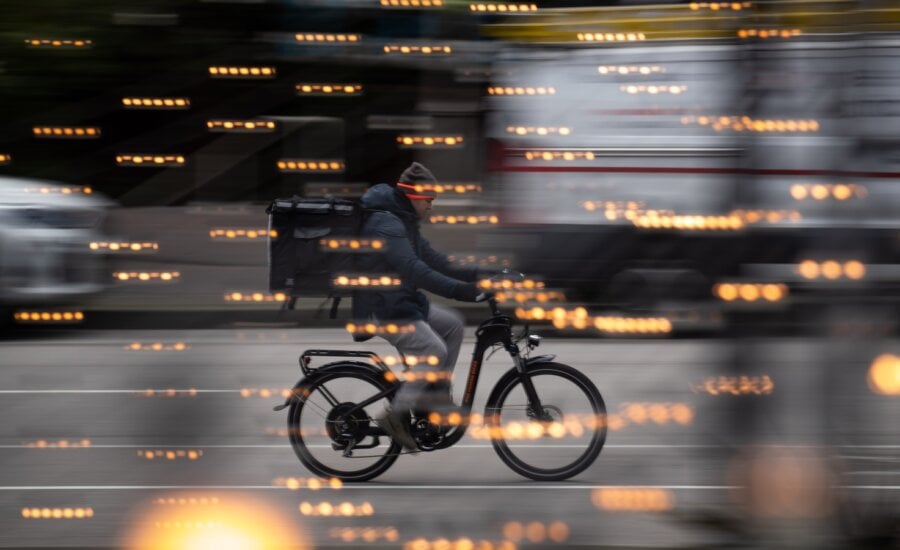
(391, 217)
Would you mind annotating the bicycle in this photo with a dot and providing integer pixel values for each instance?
(527, 405)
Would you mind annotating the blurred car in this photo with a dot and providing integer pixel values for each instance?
(45, 235)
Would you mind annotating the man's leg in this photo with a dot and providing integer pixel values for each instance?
(421, 343)
(449, 325)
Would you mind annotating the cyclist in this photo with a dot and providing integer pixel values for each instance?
(394, 213)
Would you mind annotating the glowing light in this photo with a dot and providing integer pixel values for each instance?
(57, 513)
(327, 38)
(335, 89)
(241, 72)
(430, 142)
(884, 375)
(412, 3)
(523, 297)
(559, 155)
(144, 276)
(768, 33)
(735, 385)
(653, 89)
(521, 90)
(170, 454)
(310, 165)
(242, 234)
(311, 483)
(124, 246)
(825, 191)
(496, 7)
(610, 37)
(56, 43)
(466, 220)
(49, 317)
(241, 126)
(247, 522)
(633, 499)
(60, 444)
(66, 132)
(750, 292)
(687, 222)
(367, 534)
(721, 123)
(255, 297)
(716, 6)
(343, 509)
(159, 103)
(372, 328)
(381, 281)
(630, 69)
(157, 346)
(64, 190)
(168, 393)
(417, 50)
(539, 130)
(150, 161)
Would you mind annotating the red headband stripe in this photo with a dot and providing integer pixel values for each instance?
(414, 196)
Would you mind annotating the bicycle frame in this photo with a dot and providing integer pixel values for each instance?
(496, 330)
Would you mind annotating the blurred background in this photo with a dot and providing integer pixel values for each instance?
(704, 196)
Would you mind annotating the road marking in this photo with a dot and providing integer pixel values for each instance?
(375, 486)
(360, 486)
(458, 446)
(288, 446)
(145, 390)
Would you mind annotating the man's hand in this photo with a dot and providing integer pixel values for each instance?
(466, 292)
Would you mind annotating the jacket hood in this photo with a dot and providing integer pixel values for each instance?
(385, 197)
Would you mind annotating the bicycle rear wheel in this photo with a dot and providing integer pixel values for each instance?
(559, 441)
(320, 431)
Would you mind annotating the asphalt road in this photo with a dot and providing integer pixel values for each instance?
(104, 430)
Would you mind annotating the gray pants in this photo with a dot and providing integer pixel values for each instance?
(439, 336)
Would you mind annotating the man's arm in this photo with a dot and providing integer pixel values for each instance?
(401, 256)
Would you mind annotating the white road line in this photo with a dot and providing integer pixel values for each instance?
(458, 446)
(361, 486)
(375, 486)
(144, 390)
(288, 446)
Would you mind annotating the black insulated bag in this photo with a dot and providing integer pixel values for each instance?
(300, 262)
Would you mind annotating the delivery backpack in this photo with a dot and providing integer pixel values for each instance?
(307, 246)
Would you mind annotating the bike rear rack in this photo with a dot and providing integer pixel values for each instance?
(307, 356)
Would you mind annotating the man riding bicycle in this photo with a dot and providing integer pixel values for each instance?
(394, 214)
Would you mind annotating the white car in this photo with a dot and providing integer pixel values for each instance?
(45, 235)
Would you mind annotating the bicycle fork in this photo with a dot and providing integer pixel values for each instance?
(535, 408)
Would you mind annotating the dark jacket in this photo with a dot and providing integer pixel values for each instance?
(391, 217)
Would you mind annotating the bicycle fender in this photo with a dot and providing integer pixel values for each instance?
(540, 359)
(364, 369)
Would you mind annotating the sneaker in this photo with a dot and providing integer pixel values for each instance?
(396, 425)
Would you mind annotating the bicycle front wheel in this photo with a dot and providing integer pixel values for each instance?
(556, 442)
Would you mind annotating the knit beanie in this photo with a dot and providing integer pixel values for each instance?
(417, 182)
